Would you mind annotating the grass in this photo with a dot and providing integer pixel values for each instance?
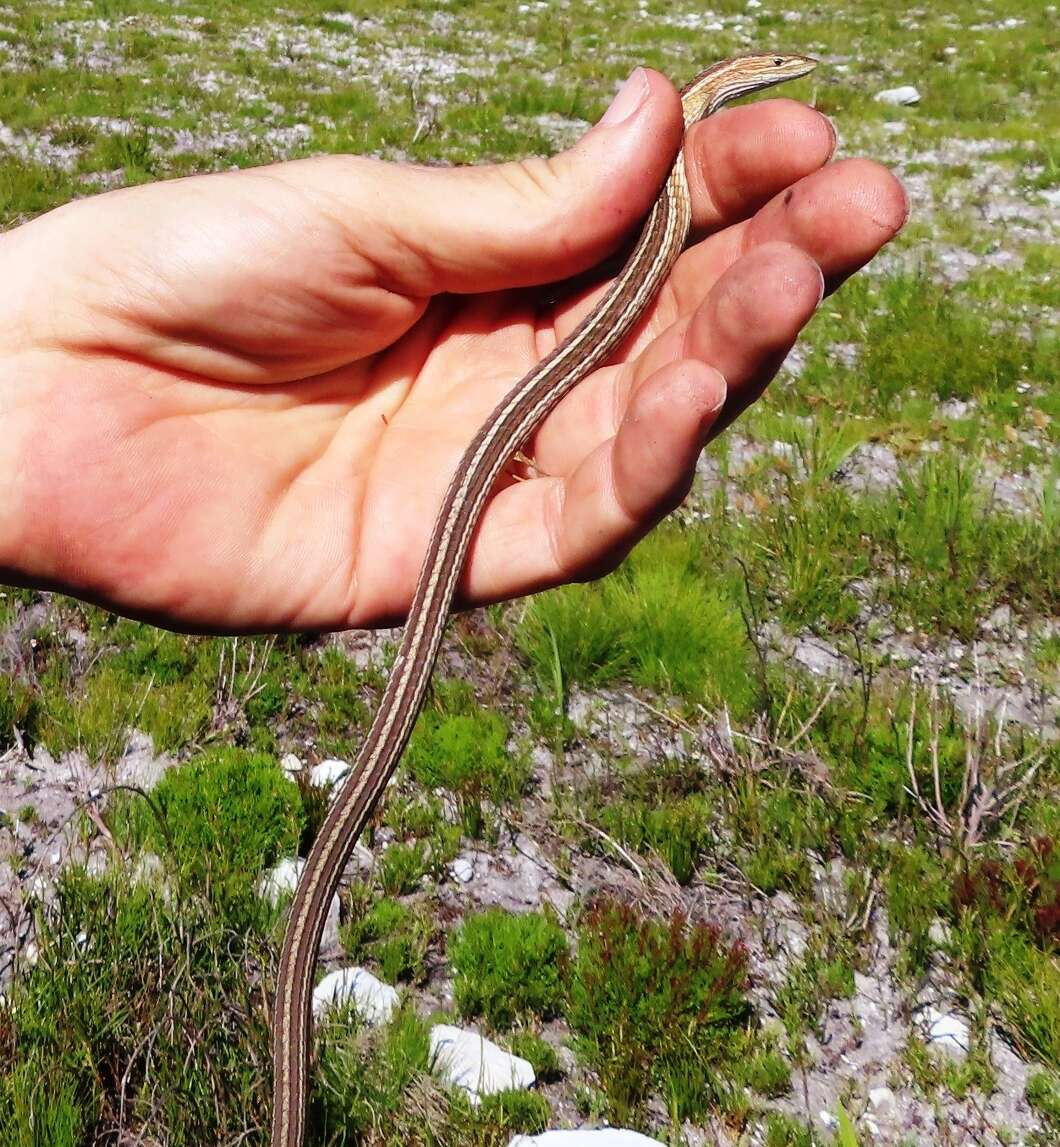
(393, 936)
(509, 969)
(145, 1014)
(218, 821)
(461, 746)
(655, 1005)
(664, 621)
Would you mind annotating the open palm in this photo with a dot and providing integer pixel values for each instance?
(233, 402)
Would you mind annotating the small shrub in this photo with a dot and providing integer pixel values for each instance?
(463, 747)
(389, 934)
(656, 1004)
(222, 818)
(541, 1055)
(509, 968)
(402, 867)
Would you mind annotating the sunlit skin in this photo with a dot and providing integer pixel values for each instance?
(232, 402)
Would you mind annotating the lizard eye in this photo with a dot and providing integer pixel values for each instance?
(777, 61)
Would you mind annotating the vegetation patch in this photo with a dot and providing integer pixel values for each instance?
(656, 1006)
(509, 969)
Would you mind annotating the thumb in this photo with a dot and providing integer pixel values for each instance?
(523, 223)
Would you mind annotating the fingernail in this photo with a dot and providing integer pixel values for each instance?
(630, 96)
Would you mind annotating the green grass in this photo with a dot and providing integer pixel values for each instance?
(665, 620)
(509, 969)
(218, 821)
(114, 954)
(463, 747)
(393, 936)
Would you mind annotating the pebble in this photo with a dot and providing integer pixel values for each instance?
(882, 1101)
(280, 881)
(947, 1031)
(291, 764)
(904, 96)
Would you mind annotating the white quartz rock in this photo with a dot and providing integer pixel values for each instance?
(467, 1060)
(374, 1001)
(280, 881)
(898, 97)
(291, 765)
(328, 772)
(948, 1031)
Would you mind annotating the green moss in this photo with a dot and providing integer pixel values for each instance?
(461, 746)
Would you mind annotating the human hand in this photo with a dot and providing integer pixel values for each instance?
(233, 402)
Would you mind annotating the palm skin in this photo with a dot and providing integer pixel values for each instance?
(232, 403)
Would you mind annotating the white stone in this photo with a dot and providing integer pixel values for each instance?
(291, 764)
(827, 1119)
(589, 1137)
(882, 1101)
(328, 772)
(898, 97)
(469, 1061)
(374, 1001)
(280, 882)
(939, 933)
(955, 409)
(946, 1030)
(462, 869)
